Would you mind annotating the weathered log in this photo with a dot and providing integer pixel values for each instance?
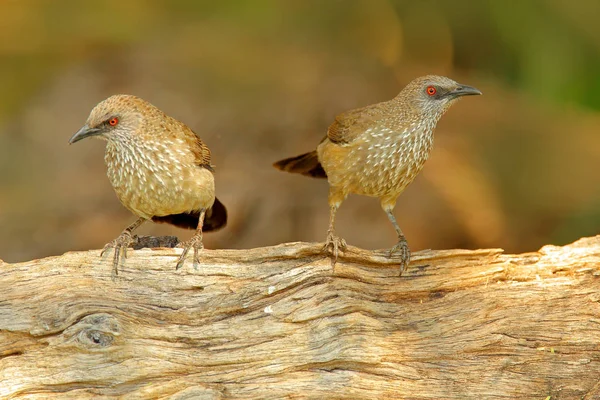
(277, 323)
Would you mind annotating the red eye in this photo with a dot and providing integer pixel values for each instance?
(113, 121)
(431, 90)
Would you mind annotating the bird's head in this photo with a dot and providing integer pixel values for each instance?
(433, 95)
(114, 119)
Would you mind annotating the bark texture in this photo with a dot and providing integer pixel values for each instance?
(278, 323)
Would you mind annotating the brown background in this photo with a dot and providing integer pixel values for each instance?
(261, 80)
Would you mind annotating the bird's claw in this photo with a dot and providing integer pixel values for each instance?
(120, 244)
(402, 248)
(196, 243)
(333, 245)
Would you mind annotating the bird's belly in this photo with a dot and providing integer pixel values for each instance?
(159, 192)
(374, 170)
(384, 179)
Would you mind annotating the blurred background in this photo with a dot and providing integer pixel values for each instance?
(261, 80)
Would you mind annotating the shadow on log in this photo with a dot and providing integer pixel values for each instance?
(277, 323)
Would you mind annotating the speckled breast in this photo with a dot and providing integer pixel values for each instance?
(382, 163)
(154, 183)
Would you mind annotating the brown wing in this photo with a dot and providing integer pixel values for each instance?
(199, 149)
(351, 124)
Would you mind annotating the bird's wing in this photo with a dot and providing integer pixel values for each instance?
(349, 125)
(199, 149)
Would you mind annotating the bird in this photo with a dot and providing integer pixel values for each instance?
(378, 150)
(160, 170)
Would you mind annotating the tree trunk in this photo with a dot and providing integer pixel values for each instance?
(279, 323)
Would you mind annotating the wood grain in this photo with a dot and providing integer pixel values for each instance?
(278, 323)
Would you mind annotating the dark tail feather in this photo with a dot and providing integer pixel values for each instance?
(305, 164)
(215, 218)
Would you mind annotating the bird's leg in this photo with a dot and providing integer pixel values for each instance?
(402, 245)
(121, 243)
(333, 243)
(195, 242)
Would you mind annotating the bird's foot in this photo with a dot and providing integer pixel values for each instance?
(120, 244)
(196, 243)
(333, 245)
(404, 252)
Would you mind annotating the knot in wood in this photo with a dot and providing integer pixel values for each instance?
(97, 331)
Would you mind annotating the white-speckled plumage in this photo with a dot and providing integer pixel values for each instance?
(153, 169)
(378, 150)
(151, 179)
(159, 168)
(393, 141)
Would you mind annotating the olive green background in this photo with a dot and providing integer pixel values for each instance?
(261, 80)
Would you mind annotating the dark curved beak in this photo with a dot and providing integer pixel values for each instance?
(464, 90)
(83, 133)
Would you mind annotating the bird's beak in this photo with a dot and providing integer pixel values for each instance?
(84, 132)
(464, 90)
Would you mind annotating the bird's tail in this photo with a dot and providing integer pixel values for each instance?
(214, 219)
(306, 164)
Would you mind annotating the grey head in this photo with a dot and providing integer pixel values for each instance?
(433, 94)
(114, 119)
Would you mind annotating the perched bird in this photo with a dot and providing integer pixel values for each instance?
(378, 150)
(160, 169)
